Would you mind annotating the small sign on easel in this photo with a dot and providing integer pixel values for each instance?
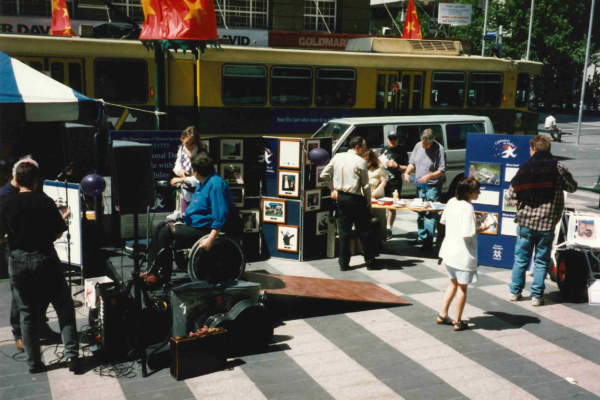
(594, 291)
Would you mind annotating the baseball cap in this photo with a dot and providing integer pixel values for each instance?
(392, 135)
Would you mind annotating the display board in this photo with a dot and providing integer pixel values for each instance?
(56, 191)
(494, 160)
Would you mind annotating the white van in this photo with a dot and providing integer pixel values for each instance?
(450, 131)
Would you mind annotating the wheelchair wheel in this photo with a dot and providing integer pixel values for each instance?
(571, 272)
(223, 262)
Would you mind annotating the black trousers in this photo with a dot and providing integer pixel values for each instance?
(353, 211)
(36, 279)
(166, 235)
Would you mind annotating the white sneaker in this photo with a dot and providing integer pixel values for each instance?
(537, 301)
(515, 296)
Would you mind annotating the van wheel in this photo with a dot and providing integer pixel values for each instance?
(552, 273)
(452, 190)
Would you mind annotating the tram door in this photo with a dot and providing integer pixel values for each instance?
(386, 101)
(399, 92)
(411, 97)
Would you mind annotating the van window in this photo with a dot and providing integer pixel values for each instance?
(332, 130)
(121, 80)
(456, 134)
(291, 86)
(244, 85)
(485, 90)
(413, 134)
(373, 134)
(448, 89)
(335, 87)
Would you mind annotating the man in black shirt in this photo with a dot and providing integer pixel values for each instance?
(31, 223)
(395, 160)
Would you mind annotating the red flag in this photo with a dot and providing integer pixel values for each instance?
(412, 28)
(179, 20)
(61, 23)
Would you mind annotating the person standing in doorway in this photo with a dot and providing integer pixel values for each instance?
(347, 176)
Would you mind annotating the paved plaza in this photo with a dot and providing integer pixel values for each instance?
(510, 351)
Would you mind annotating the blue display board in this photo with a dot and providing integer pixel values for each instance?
(493, 160)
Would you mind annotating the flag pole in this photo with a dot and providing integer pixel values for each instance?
(587, 58)
(159, 86)
(484, 28)
(530, 27)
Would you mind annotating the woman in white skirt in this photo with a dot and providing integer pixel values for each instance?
(459, 249)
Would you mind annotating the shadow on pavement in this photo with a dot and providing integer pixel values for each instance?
(500, 321)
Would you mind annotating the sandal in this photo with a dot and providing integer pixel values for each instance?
(444, 320)
(460, 326)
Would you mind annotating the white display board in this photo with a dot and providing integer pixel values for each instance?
(454, 14)
(56, 191)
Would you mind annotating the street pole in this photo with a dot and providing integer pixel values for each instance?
(530, 27)
(159, 86)
(587, 58)
(484, 28)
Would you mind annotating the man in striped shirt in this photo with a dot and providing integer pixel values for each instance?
(538, 188)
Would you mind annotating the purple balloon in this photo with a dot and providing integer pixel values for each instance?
(93, 185)
(318, 156)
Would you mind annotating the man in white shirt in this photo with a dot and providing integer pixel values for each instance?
(347, 176)
(550, 123)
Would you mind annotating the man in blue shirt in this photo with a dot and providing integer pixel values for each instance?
(206, 214)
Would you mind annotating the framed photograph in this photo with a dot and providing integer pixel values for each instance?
(490, 218)
(508, 204)
(287, 238)
(237, 192)
(233, 173)
(487, 174)
(206, 145)
(322, 222)
(250, 219)
(320, 182)
(582, 230)
(232, 149)
(312, 200)
(289, 181)
(289, 153)
(273, 210)
(310, 144)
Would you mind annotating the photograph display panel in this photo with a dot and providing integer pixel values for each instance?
(289, 153)
(508, 204)
(322, 222)
(232, 173)
(232, 149)
(273, 211)
(311, 144)
(489, 218)
(287, 238)
(250, 220)
(238, 194)
(320, 182)
(289, 182)
(488, 174)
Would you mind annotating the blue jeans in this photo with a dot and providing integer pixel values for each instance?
(426, 221)
(527, 240)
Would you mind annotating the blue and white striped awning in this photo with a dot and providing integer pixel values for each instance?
(43, 98)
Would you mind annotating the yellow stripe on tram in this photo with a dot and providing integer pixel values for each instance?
(122, 119)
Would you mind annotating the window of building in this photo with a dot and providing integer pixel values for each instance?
(448, 89)
(456, 134)
(242, 13)
(30, 8)
(291, 86)
(319, 15)
(124, 81)
(335, 87)
(485, 90)
(244, 85)
(522, 88)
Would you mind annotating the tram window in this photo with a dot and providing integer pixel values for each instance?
(335, 87)
(57, 71)
(522, 87)
(291, 86)
(485, 90)
(75, 77)
(244, 85)
(121, 80)
(456, 134)
(36, 65)
(448, 89)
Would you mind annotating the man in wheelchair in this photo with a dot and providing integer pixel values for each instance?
(207, 214)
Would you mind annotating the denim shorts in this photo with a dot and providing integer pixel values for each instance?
(461, 276)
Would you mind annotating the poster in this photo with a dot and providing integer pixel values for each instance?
(56, 191)
(496, 248)
(289, 153)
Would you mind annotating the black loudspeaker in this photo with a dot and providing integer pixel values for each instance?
(132, 176)
(79, 141)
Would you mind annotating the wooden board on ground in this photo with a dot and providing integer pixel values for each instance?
(326, 289)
